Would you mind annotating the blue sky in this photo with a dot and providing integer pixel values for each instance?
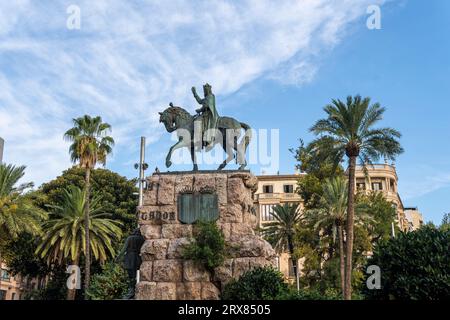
(272, 64)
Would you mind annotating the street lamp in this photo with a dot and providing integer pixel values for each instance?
(142, 166)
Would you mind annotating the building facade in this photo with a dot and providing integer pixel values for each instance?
(414, 218)
(10, 286)
(276, 190)
(279, 189)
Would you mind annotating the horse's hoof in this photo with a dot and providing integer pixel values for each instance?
(168, 163)
(220, 167)
(195, 168)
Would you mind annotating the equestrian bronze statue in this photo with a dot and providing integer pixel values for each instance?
(206, 129)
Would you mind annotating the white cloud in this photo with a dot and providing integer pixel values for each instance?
(128, 61)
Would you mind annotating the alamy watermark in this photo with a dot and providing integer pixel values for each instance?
(73, 21)
(74, 280)
(373, 22)
(373, 282)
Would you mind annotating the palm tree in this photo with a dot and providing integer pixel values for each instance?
(17, 212)
(64, 234)
(90, 145)
(348, 130)
(333, 213)
(280, 233)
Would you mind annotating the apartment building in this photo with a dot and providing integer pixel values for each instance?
(10, 286)
(278, 189)
(414, 217)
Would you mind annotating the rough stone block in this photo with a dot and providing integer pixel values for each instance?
(261, 262)
(230, 213)
(239, 230)
(151, 231)
(225, 227)
(166, 291)
(251, 246)
(169, 270)
(176, 248)
(166, 190)
(224, 273)
(146, 271)
(146, 290)
(194, 272)
(235, 191)
(189, 290)
(240, 266)
(210, 291)
(183, 182)
(172, 231)
(221, 189)
(155, 249)
(204, 181)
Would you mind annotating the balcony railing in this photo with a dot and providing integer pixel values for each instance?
(370, 167)
(283, 196)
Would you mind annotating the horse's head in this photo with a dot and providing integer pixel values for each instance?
(167, 118)
(174, 117)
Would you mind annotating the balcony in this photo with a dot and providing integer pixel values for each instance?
(278, 196)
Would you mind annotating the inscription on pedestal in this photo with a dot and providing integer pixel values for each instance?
(157, 215)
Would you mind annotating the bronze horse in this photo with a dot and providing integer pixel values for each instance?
(227, 135)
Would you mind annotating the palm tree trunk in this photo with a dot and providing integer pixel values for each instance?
(0, 269)
(350, 215)
(71, 293)
(341, 258)
(87, 271)
(294, 261)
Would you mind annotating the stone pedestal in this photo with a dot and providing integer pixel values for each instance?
(164, 275)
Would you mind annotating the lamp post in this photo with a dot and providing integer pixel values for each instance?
(142, 166)
(2, 143)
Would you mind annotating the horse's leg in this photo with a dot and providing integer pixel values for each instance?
(240, 154)
(194, 157)
(228, 151)
(177, 145)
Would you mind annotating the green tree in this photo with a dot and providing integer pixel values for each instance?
(382, 212)
(414, 266)
(116, 193)
(207, 247)
(310, 186)
(90, 145)
(257, 284)
(110, 284)
(445, 224)
(17, 212)
(64, 235)
(349, 131)
(333, 213)
(280, 232)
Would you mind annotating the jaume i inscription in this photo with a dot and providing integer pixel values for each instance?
(196, 205)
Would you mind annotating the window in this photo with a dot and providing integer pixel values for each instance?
(13, 296)
(266, 212)
(392, 184)
(360, 186)
(288, 188)
(377, 186)
(268, 189)
(291, 269)
(2, 294)
(5, 275)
